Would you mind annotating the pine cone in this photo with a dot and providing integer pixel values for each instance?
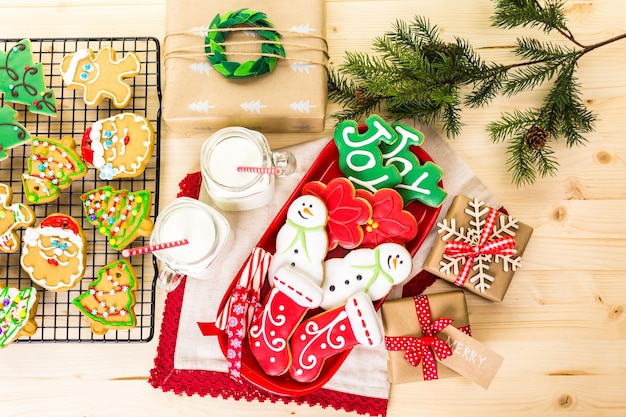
(361, 96)
(536, 138)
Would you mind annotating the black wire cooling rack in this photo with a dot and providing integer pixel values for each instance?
(57, 319)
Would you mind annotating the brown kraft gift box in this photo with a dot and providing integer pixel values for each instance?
(400, 319)
(292, 98)
(489, 275)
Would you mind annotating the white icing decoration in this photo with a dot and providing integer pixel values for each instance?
(68, 75)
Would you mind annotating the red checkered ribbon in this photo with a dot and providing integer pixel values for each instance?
(485, 246)
(240, 307)
(423, 349)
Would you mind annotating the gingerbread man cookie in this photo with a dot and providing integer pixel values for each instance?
(12, 217)
(119, 146)
(101, 75)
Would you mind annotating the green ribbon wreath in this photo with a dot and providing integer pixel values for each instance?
(217, 53)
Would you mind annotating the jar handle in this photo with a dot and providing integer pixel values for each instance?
(169, 279)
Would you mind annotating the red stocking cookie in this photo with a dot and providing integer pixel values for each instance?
(332, 332)
(291, 297)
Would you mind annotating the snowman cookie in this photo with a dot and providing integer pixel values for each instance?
(302, 242)
(101, 75)
(17, 313)
(53, 253)
(119, 146)
(12, 217)
(373, 271)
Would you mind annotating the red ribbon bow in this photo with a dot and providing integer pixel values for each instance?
(420, 349)
(485, 246)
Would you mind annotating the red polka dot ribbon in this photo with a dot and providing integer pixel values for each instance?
(485, 246)
(423, 349)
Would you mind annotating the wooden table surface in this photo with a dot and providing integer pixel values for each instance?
(561, 327)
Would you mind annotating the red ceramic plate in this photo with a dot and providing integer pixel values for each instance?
(324, 169)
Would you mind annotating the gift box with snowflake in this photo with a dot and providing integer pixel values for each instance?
(478, 248)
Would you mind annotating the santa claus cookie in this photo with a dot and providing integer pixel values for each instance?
(12, 217)
(101, 75)
(17, 314)
(109, 302)
(121, 215)
(53, 253)
(52, 167)
(373, 271)
(302, 242)
(119, 146)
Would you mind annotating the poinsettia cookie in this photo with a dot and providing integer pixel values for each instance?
(53, 253)
(101, 75)
(347, 213)
(119, 146)
(12, 217)
(109, 302)
(17, 314)
(121, 215)
(52, 167)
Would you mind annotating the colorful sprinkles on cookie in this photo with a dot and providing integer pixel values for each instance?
(121, 215)
(109, 301)
(17, 311)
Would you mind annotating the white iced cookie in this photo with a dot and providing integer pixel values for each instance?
(302, 242)
(373, 271)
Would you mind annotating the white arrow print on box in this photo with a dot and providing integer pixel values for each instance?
(201, 106)
(303, 106)
(301, 67)
(253, 106)
(201, 67)
(303, 28)
(199, 31)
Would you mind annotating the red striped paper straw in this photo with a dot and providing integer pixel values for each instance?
(260, 170)
(151, 248)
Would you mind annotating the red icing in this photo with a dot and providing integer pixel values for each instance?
(61, 221)
(126, 140)
(346, 212)
(53, 262)
(85, 146)
(389, 222)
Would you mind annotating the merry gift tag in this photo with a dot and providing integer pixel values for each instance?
(470, 358)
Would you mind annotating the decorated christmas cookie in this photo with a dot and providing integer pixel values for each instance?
(360, 158)
(101, 75)
(373, 271)
(389, 223)
(120, 146)
(109, 302)
(332, 332)
(302, 242)
(17, 314)
(346, 212)
(53, 253)
(121, 215)
(22, 80)
(12, 133)
(12, 217)
(52, 167)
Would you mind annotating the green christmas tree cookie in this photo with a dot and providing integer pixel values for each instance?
(121, 215)
(109, 301)
(22, 80)
(12, 133)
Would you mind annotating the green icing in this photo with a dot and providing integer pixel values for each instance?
(12, 133)
(22, 80)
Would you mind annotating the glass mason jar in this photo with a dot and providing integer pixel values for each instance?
(207, 231)
(231, 148)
